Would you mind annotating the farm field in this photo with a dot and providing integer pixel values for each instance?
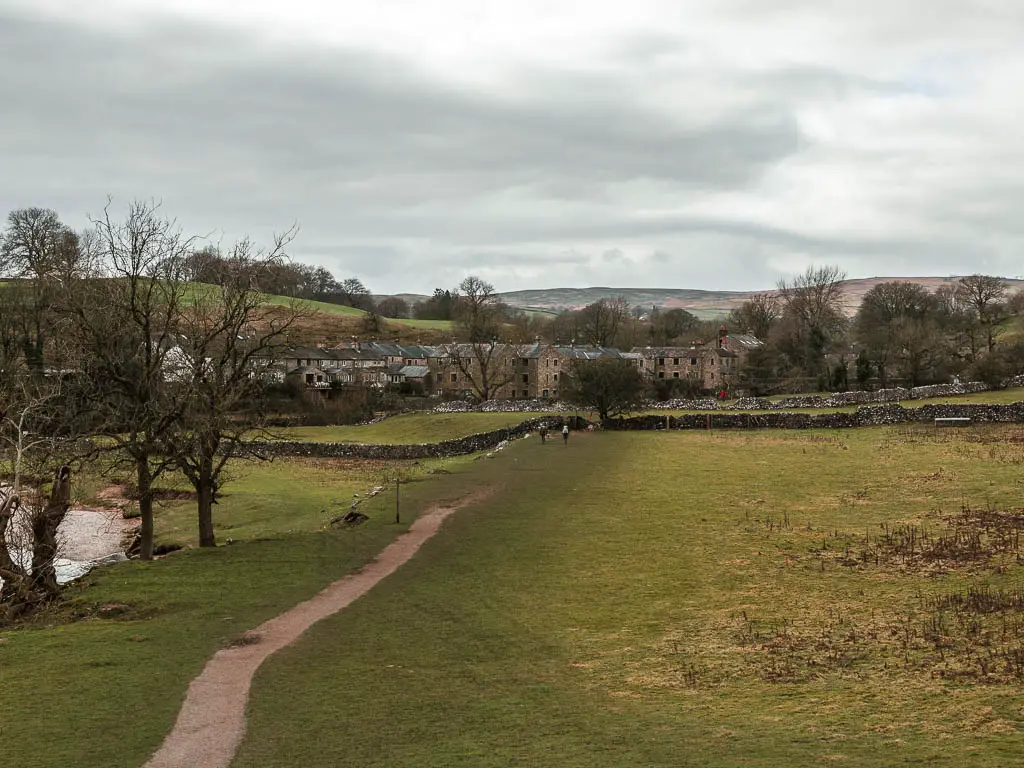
(997, 396)
(669, 599)
(102, 690)
(426, 427)
(994, 397)
(338, 309)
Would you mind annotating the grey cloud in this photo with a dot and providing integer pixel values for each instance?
(411, 182)
(346, 116)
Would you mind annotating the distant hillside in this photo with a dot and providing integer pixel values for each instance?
(705, 304)
(719, 302)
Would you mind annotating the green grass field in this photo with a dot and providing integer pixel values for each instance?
(338, 309)
(205, 292)
(664, 600)
(994, 397)
(657, 599)
(103, 690)
(410, 428)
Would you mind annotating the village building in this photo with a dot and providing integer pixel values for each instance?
(713, 367)
(513, 371)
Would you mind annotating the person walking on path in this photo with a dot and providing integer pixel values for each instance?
(565, 434)
(543, 435)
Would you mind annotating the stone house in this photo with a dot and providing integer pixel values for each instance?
(308, 376)
(713, 367)
(672, 362)
(556, 361)
(460, 369)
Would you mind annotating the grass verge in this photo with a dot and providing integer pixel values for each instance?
(98, 680)
(672, 599)
(424, 427)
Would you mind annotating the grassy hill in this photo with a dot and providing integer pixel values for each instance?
(358, 314)
(576, 298)
(704, 304)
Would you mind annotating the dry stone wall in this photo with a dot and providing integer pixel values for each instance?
(458, 447)
(864, 416)
(873, 415)
(835, 400)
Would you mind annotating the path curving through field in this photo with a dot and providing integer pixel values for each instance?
(211, 722)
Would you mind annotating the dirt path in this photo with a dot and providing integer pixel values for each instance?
(211, 722)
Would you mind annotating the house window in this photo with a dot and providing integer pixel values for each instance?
(547, 363)
(661, 374)
(525, 393)
(675, 375)
(524, 361)
(556, 363)
(556, 377)
(693, 361)
(526, 378)
(544, 393)
(455, 377)
(675, 361)
(661, 361)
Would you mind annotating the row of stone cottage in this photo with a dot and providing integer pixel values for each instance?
(514, 371)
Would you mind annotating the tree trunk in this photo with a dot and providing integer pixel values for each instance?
(207, 538)
(10, 574)
(147, 528)
(45, 522)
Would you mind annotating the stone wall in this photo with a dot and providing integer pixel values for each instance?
(458, 447)
(539, 405)
(864, 416)
(834, 400)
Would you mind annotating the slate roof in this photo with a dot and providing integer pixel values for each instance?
(649, 352)
(383, 348)
(415, 371)
(585, 352)
(746, 340)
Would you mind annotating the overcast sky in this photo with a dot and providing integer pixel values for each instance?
(714, 144)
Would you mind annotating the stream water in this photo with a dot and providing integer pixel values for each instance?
(86, 538)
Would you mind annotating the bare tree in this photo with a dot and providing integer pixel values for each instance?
(892, 318)
(354, 294)
(27, 584)
(122, 329)
(37, 244)
(611, 386)
(985, 296)
(39, 252)
(487, 366)
(478, 312)
(602, 320)
(30, 440)
(226, 342)
(757, 315)
(393, 306)
(813, 316)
